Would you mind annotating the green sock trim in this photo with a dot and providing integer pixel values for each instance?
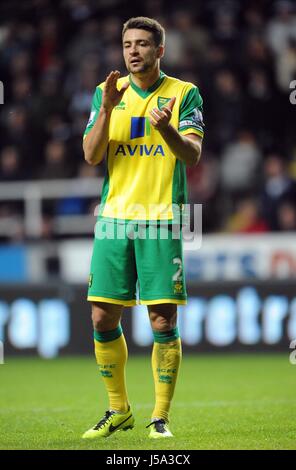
(166, 336)
(106, 336)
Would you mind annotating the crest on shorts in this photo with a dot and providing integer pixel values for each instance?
(178, 287)
(161, 102)
(90, 280)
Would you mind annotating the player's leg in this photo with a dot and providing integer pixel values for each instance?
(111, 355)
(112, 286)
(166, 358)
(111, 352)
(159, 262)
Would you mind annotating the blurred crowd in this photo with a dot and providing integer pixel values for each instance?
(242, 56)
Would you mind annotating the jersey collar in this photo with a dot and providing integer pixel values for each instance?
(151, 89)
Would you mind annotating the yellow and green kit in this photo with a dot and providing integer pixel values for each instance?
(143, 185)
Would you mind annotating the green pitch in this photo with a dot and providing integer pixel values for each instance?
(221, 402)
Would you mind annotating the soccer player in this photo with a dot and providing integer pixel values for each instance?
(150, 126)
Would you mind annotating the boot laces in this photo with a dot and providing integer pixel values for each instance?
(105, 420)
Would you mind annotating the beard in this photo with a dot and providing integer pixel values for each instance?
(140, 68)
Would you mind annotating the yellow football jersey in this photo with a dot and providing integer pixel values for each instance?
(144, 180)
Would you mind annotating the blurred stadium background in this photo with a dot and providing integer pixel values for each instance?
(241, 282)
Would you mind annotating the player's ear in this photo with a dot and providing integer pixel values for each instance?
(160, 52)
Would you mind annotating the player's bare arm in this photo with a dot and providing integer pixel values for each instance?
(186, 148)
(96, 142)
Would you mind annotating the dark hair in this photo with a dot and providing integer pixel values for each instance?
(149, 24)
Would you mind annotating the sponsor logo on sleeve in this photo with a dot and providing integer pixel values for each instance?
(195, 120)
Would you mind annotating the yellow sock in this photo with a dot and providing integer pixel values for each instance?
(111, 354)
(166, 358)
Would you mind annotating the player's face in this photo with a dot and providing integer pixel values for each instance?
(139, 51)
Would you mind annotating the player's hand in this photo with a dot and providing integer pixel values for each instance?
(160, 119)
(111, 95)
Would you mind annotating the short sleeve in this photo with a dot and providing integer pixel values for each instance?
(95, 108)
(191, 113)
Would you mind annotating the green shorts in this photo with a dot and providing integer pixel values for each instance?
(130, 256)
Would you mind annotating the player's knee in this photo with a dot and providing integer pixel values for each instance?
(103, 319)
(163, 322)
(98, 319)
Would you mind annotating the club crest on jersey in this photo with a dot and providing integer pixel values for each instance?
(161, 102)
